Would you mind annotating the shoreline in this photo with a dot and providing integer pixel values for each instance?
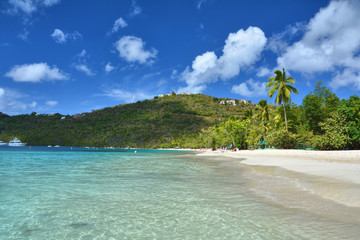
(333, 175)
(344, 156)
(340, 165)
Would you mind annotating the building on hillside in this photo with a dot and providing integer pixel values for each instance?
(231, 102)
(161, 95)
(222, 102)
(243, 101)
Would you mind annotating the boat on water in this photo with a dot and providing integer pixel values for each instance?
(16, 143)
(2, 143)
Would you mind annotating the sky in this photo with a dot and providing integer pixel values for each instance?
(68, 57)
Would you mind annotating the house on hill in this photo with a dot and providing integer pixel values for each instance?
(243, 101)
(231, 102)
(222, 102)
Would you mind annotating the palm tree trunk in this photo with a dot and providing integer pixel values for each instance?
(285, 117)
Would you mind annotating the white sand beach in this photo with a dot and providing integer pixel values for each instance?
(339, 167)
(342, 165)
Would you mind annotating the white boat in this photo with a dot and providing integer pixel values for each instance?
(16, 143)
(2, 143)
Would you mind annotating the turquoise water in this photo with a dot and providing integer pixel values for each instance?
(149, 195)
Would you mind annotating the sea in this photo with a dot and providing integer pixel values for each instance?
(91, 193)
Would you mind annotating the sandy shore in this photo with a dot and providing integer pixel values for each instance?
(341, 165)
(332, 175)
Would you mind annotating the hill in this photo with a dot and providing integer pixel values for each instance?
(169, 121)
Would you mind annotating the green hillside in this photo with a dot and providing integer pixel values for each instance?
(170, 121)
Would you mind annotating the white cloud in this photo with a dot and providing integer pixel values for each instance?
(109, 68)
(33, 104)
(349, 77)
(11, 102)
(30, 6)
(120, 22)
(278, 43)
(135, 9)
(126, 96)
(263, 72)
(331, 43)
(241, 50)
(132, 50)
(250, 88)
(85, 69)
(58, 36)
(51, 103)
(61, 37)
(35, 72)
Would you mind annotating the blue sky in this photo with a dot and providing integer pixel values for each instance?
(71, 57)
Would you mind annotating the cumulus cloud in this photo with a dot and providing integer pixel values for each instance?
(29, 6)
(11, 102)
(120, 22)
(51, 103)
(241, 49)
(132, 49)
(35, 72)
(61, 37)
(58, 36)
(84, 68)
(250, 88)
(331, 43)
(126, 96)
(109, 68)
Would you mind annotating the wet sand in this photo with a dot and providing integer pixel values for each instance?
(334, 175)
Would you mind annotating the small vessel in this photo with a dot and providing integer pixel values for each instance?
(16, 143)
(57, 146)
(2, 143)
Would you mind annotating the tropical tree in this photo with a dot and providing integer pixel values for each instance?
(281, 84)
(248, 114)
(318, 105)
(263, 114)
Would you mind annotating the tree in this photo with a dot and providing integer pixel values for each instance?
(351, 109)
(248, 114)
(318, 105)
(335, 133)
(281, 84)
(263, 114)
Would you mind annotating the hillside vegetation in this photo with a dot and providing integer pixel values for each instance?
(170, 121)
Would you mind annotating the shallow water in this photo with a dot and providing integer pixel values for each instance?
(157, 195)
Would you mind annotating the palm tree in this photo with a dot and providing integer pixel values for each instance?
(263, 115)
(282, 85)
(248, 114)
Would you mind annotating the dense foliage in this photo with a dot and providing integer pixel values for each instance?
(169, 121)
(322, 122)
